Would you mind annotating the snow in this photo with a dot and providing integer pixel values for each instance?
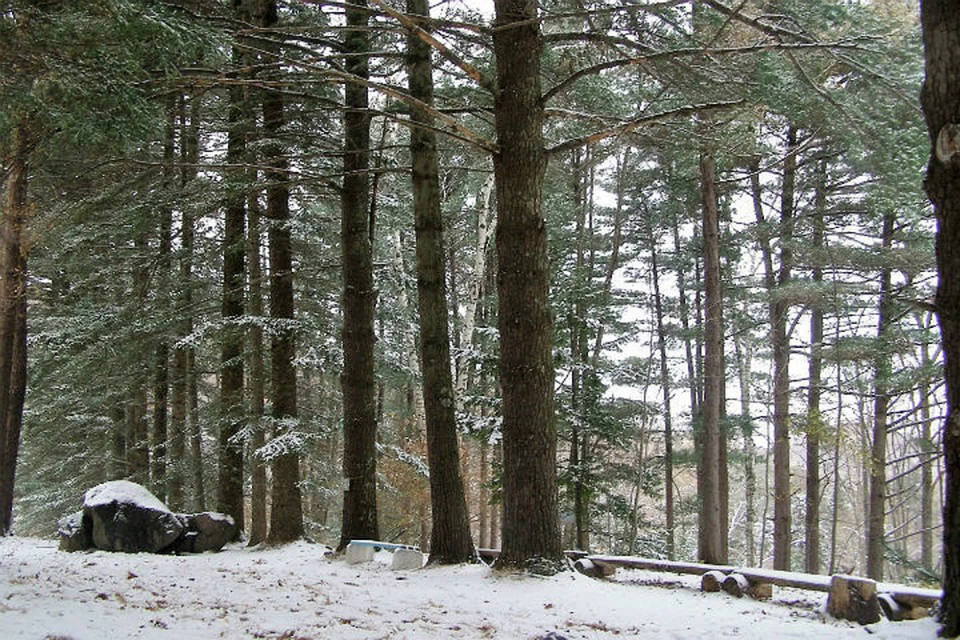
(297, 592)
(123, 492)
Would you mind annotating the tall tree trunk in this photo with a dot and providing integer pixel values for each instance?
(876, 535)
(712, 549)
(450, 540)
(579, 356)
(666, 386)
(815, 428)
(359, 297)
(182, 356)
(486, 224)
(189, 151)
(196, 433)
(927, 448)
(232, 410)
(286, 502)
(138, 432)
(779, 308)
(13, 318)
(161, 371)
(744, 356)
(531, 531)
(257, 386)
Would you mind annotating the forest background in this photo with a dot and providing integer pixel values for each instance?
(214, 282)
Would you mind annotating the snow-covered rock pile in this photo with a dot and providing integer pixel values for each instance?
(124, 516)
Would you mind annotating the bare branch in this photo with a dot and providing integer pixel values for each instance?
(475, 74)
(636, 123)
(694, 51)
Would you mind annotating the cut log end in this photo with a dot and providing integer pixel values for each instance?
(736, 584)
(594, 569)
(710, 581)
(853, 598)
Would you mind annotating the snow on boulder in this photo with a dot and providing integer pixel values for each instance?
(124, 516)
(74, 534)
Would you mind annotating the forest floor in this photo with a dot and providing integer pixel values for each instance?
(298, 593)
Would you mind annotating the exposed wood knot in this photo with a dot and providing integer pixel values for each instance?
(948, 143)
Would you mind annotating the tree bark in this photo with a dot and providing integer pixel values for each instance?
(940, 99)
(359, 296)
(744, 357)
(13, 318)
(531, 532)
(189, 149)
(927, 448)
(161, 371)
(450, 540)
(710, 488)
(815, 429)
(286, 502)
(876, 535)
(257, 386)
(779, 308)
(230, 450)
(666, 386)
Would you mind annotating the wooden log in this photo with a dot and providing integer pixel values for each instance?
(912, 606)
(853, 598)
(588, 568)
(913, 597)
(710, 581)
(736, 584)
(760, 590)
(890, 607)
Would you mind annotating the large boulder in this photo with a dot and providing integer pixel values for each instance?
(207, 531)
(74, 533)
(125, 516)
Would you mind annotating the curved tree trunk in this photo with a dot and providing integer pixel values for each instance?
(531, 530)
(940, 99)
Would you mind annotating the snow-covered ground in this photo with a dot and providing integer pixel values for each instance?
(297, 593)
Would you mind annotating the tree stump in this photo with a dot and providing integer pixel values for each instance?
(853, 598)
(710, 581)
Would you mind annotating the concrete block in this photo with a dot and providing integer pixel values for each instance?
(406, 560)
(359, 553)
